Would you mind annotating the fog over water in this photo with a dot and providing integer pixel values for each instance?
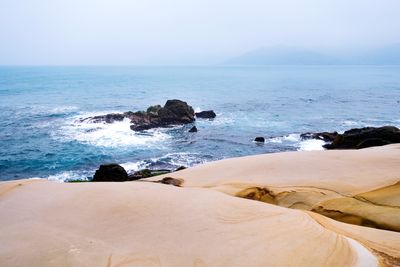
(126, 32)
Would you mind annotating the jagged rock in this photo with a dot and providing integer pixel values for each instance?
(325, 136)
(372, 142)
(259, 139)
(174, 112)
(109, 118)
(207, 114)
(153, 109)
(365, 137)
(180, 168)
(110, 173)
(193, 129)
(146, 173)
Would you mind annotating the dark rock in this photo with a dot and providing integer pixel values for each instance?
(325, 136)
(180, 168)
(153, 109)
(259, 139)
(109, 118)
(174, 112)
(193, 129)
(207, 114)
(365, 137)
(171, 181)
(110, 173)
(372, 142)
(146, 173)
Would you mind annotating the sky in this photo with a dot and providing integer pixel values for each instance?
(179, 32)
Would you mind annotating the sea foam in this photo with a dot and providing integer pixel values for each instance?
(114, 135)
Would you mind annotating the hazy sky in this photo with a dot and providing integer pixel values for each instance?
(59, 32)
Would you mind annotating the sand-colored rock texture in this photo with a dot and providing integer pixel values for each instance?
(211, 218)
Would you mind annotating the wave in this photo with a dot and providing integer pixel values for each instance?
(68, 176)
(311, 145)
(170, 161)
(281, 139)
(296, 141)
(113, 135)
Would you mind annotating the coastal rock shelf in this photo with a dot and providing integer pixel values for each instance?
(174, 112)
(207, 216)
(358, 138)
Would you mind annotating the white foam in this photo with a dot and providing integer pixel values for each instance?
(198, 109)
(68, 175)
(350, 123)
(117, 134)
(311, 144)
(60, 110)
(181, 159)
(289, 138)
(134, 166)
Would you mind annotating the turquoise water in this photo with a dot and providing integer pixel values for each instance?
(40, 135)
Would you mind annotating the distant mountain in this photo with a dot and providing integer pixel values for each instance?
(281, 55)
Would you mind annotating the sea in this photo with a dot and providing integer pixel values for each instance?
(41, 135)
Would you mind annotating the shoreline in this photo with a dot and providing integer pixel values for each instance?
(142, 223)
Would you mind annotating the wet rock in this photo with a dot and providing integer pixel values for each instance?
(207, 114)
(259, 139)
(109, 118)
(193, 129)
(325, 136)
(181, 168)
(153, 109)
(365, 137)
(372, 142)
(110, 173)
(174, 112)
(146, 173)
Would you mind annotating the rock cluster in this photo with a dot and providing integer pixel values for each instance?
(358, 138)
(174, 112)
(116, 173)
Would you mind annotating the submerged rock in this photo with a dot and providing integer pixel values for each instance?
(365, 137)
(259, 139)
(193, 129)
(180, 168)
(207, 114)
(325, 136)
(110, 173)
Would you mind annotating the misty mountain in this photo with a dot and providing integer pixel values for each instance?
(389, 55)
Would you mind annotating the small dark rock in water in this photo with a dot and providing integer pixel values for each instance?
(193, 129)
(207, 114)
(171, 181)
(110, 173)
(109, 118)
(181, 168)
(365, 137)
(259, 139)
(325, 136)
